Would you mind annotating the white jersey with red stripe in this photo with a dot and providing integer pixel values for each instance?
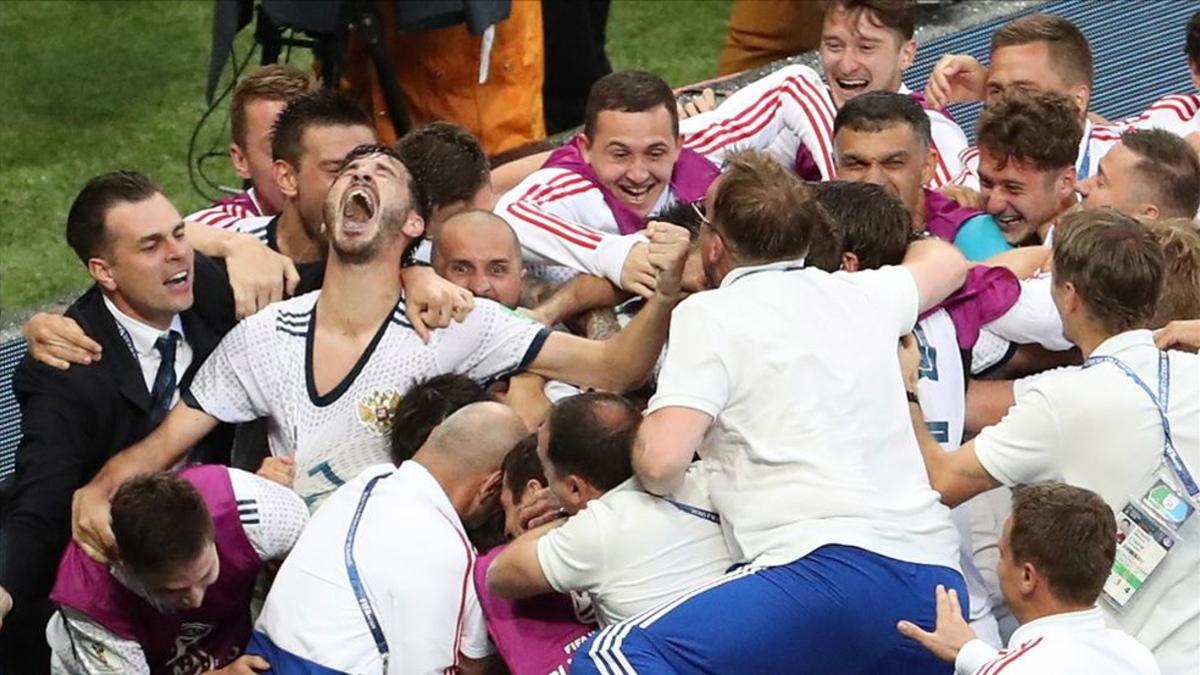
(1072, 642)
(1178, 113)
(1096, 141)
(226, 213)
(792, 107)
(561, 219)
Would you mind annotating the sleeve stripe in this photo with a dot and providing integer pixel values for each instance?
(565, 192)
(537, 190)
(736, 134)
(1004, 661)
(728, 126)
(576, 229)
(527, 214)
(535, 348)
(824, 133)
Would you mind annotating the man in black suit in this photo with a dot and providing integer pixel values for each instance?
(154, 335)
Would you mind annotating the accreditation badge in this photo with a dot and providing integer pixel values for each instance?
(1147, 532)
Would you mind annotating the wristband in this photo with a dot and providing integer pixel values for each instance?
(912, 397)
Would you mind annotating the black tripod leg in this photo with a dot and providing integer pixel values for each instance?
(369, 25)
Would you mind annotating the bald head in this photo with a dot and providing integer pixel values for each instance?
(474, 440)
(478, 251)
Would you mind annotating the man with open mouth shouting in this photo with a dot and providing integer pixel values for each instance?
(329, 367)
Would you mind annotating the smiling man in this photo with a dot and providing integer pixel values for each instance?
(1027, 176)
(191, 545)
(329, 367)
(1150, 172)
(154, 331)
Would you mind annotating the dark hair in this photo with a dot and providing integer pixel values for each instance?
(85, 221)
(896, 15)
(416, 198)
(684, 215)
(1041, 129)
(1193, 40)
(1069, 49)
(521, 465)
(873, 224)
(426, 405)
(591, 436)
(159, 522)
(321, 108)
(1069, 534)
(274, 82)
(1168, 170)
(1115, 264)
(876, 111)
(628, 91)
(763, 210)
(447, 162)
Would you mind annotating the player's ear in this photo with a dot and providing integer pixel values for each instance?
(489, 490)
(908, 51)
(241, 163)
(532, 485)
(285, 178)
(931, 161)
(850, 262)
(414, 225)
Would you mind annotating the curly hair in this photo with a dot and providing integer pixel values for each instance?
(1041, 129)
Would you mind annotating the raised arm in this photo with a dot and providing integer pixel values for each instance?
(162, 449)
(938, 268)
(257, 275)
(623, 361)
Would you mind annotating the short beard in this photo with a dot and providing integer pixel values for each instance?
(391, 221)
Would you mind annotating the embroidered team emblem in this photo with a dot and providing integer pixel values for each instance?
(376, 410)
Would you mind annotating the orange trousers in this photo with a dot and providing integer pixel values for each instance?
(761, 31)
(438, 73)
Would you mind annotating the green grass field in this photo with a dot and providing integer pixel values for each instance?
(93, 86)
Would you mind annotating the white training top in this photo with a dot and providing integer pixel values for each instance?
(415, 562)
(812, 441)
(272, 516)
(562, 219)
(1178, 113)
(1074, 642)
(263, 368)
(1095, 428)
(630, 551)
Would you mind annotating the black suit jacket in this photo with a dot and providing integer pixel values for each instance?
(75, 420)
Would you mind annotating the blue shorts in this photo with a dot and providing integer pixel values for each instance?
(833, 611)
(282, 661)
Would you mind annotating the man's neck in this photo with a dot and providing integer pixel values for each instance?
(356, 298)
(1042, 607)
(159, 321)
(1089, 338)
(1064, 207)
(459, 495)
(918, 213)
(292, 237)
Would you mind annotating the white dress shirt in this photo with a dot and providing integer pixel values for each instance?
(142, 337)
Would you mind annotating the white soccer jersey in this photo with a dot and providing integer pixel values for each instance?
(941, 388)
(263, 368)
(562, 219)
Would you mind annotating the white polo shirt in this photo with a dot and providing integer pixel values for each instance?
(812, 442)
(1074, 642)
(630, 551)
(415, 562)
(1095, 428)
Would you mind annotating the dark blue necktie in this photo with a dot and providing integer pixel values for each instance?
(164, 380)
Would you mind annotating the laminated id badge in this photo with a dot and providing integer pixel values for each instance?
(1147, 531)
(1142, 545)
